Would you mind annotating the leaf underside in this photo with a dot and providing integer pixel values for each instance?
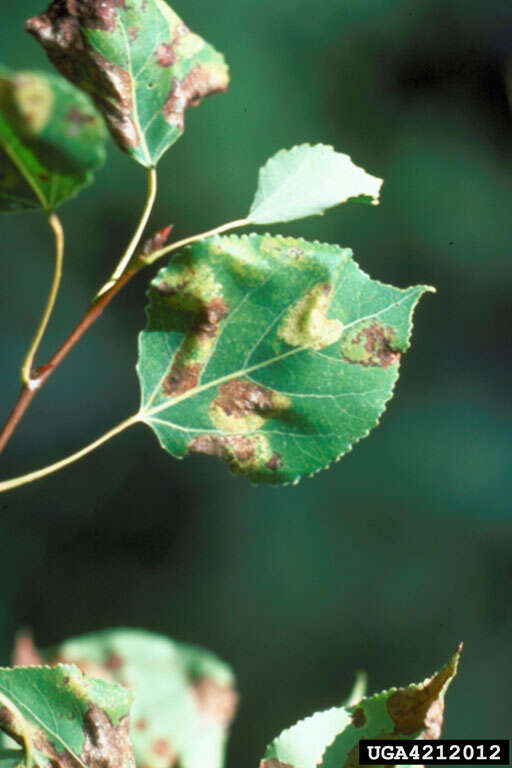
(72, 720)
(184, 699)
(330, 739)
(140, 63)
(305, 181)
(272, 353)
(52, 140)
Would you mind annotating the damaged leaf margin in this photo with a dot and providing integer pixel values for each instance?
(330, 739)
(273, 354)
(73, 720)
(140, 63)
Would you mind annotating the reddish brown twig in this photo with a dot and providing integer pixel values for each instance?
(41, 375)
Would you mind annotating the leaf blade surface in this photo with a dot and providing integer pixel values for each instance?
(305, 181)
(272, 353)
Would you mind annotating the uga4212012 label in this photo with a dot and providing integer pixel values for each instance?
(441, 752)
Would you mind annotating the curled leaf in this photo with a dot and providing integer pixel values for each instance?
(272, 353)
(305, 181)
(51, 140)
(140, 63)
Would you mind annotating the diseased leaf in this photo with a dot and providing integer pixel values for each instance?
(184, 696)
(73, 720)
(273, 353)
(330, 739)
(140, 63)
(51, 140)
(305, 181)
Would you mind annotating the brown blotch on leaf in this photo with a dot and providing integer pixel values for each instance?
(165, 55)
(106, 745)
(232, 448)
(216, 702)
(7, 721)
(141, 724)
(181, 379)
(202, 80)
(421, 708)
(162, 748)
(358, 717)
(241, 398)
(133, 34)
(114, 661)
(78, 117)
(184, 375)
(373, 346)
(59, 30)
(275, 462)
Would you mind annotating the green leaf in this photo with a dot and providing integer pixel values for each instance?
(140, 63)
(72, 719)
(305, 181)
(51, 140)
(184, 696)
(330, 739)
(274, 354)
(12, 758)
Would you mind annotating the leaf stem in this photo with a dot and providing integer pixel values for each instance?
(132, 245)
(40, 376)
(15, 482)
(194, 238)
(26, 369)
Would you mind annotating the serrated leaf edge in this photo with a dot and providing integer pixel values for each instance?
(247, 236)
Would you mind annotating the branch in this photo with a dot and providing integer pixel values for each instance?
(127, 267)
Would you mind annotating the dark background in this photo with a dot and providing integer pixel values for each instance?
(404, 547)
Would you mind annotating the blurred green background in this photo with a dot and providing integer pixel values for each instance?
(403, 548)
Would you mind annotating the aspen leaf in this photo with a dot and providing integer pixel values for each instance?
(307, 180)
(51, 140)
(184, 697)
(272, 353)
(330, 739)
(71, 719)
(140, 63)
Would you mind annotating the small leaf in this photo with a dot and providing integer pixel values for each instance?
(51, 141)
(305, 181)
(72, 719)
(330, 739)
(274, 354)
(140, 63)
(184, 696)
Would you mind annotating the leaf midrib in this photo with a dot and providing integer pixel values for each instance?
(15, 159)
(24, 708)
